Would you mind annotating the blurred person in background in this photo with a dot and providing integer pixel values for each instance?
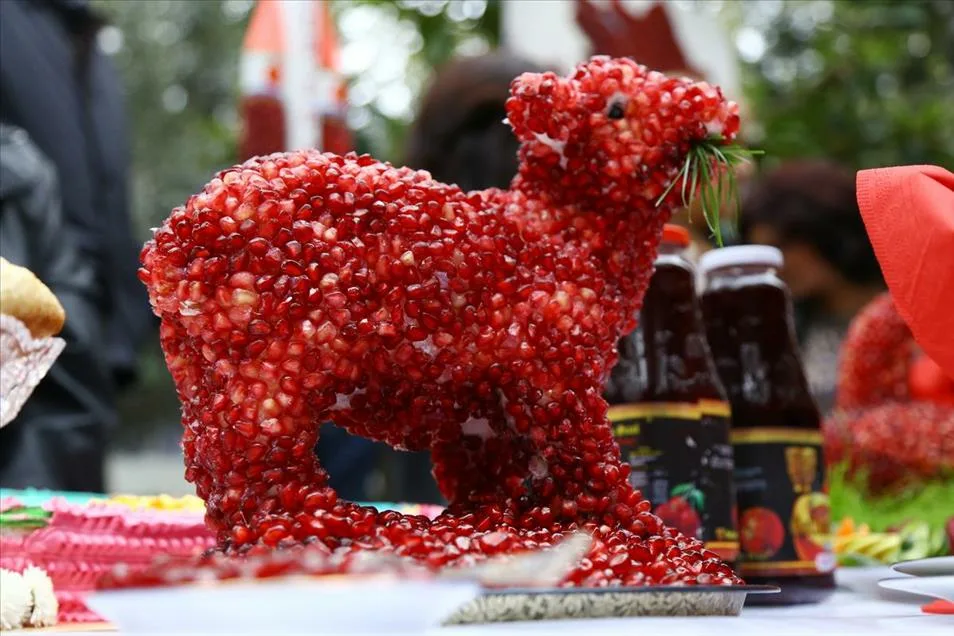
(459, 135)
(58, 87)
(809, 210)
(58, 437)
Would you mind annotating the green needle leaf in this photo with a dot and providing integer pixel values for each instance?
(709, 171)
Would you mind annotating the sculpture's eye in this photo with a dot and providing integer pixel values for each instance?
(616, 110)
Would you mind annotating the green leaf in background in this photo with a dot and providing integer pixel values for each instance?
(683, 490)
(931, 503)
(698, 500)
(867, 84)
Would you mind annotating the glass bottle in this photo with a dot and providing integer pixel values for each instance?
(784, 520)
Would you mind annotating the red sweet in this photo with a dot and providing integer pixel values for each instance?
(927, 381)
(480, 326)
(938, 607)
(875, 357)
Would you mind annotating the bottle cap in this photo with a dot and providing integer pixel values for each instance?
(675, 235)
(741, 255)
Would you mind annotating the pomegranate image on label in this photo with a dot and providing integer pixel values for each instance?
(761, 533)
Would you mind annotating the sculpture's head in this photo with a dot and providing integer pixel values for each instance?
(615, 133)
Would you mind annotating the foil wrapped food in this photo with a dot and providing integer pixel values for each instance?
(24, 362)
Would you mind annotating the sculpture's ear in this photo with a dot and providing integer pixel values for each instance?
(541, 104)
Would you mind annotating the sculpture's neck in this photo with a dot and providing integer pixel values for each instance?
(622, 240)
(626, 249)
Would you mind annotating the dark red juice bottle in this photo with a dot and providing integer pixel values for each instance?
(668, 408)
(784, 524)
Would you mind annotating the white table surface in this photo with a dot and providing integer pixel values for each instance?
(859, 607)
(845, 613)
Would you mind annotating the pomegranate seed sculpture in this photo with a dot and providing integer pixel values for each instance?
(304, 287)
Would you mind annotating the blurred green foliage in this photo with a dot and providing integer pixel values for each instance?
(179, 61)
(868, 83)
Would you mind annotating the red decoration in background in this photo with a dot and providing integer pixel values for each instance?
(650, 40)
(262, 112)
(894, 417)
(263, 130)
(876, 357)
(927, 381)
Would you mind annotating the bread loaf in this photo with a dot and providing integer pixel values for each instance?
(24, 297)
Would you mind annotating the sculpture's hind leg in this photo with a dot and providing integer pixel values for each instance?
(574, 469)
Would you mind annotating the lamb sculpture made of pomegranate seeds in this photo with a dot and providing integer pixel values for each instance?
(304, 287)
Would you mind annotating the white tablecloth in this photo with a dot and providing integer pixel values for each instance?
(859, 607)
(845, 613)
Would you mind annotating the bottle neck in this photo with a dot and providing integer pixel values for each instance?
(749, 314)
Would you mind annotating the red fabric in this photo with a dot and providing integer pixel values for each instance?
(909, 215)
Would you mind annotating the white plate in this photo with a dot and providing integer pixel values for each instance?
(941, 587)
(864, 582)
(284, 606)
(937, 566)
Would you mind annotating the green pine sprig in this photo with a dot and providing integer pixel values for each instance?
(709, 173)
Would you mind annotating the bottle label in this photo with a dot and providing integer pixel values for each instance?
(668, 451)
(784, 513)
(717, 480)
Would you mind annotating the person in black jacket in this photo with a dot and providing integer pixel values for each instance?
(57, 440)
(63, 91)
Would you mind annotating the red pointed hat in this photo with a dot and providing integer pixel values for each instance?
(909, 215)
